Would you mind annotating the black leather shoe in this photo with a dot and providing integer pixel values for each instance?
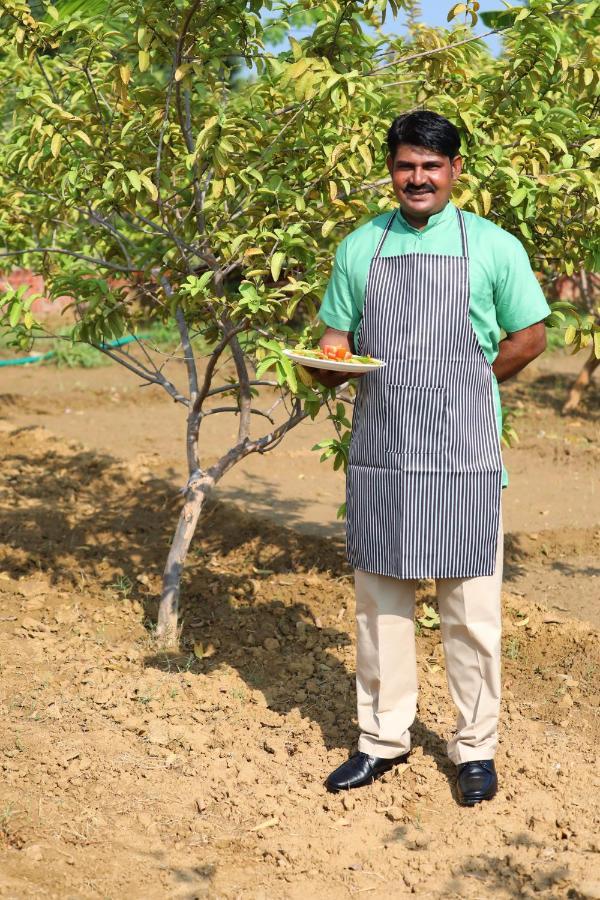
(359, 770)
(476, 781)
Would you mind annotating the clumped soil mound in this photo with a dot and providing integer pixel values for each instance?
(132, 773)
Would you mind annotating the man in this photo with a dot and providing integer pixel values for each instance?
(428, 289)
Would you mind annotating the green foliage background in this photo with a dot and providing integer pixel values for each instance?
(134, 148)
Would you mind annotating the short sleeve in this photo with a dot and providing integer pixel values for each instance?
(339, 308)
(518, 296)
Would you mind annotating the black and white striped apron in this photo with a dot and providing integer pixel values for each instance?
(425, 471)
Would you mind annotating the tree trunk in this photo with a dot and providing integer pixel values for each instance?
(581, 383)
(167, 629)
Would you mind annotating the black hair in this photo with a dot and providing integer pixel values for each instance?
(424, 128)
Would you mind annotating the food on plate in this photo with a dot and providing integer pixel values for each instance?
(337, 354)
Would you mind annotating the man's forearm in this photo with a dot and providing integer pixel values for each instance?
(518, 350)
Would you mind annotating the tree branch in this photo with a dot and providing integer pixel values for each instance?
(232, 387)
(245, 391)
(236, 409)
(406, 59)
(98, 262)
(145, 376)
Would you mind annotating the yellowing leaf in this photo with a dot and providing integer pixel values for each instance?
(464, 197)
(304, 376)
(333, 190)
(55, 144)
(125, 73)
(202, 652)
(276, 264)
(466, 118)
(150, 186)
(297, 69)
(486, 201)
(144, 60)
(328, 227)
(570, 334)
(84, 137)
(182, 71)
(456, 10)
(217, 187)
(336, 153)
(296, 48)
(143, 38)
(366, 155)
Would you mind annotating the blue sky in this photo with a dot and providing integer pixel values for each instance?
(435, 12)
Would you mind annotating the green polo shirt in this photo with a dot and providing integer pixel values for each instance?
(505, 294)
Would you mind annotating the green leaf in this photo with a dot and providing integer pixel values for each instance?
(557, 141)
(135, 179)
(15, 313)
(518, 196)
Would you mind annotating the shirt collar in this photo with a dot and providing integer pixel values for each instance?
(443, 216)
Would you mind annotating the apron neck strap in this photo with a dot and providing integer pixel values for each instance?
(384, 235)
(463, 233)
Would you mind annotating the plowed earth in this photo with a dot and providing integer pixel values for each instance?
(129, 773)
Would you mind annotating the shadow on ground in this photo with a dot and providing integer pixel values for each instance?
(93, 523)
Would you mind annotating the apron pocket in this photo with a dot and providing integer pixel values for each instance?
(416, 419)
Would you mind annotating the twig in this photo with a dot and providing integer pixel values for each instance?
(236, 409)
(406, 59)
(232, 387)
(98, 262)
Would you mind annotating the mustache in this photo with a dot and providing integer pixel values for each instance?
(425, 189)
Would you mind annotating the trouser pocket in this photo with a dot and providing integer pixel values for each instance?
(416, 419)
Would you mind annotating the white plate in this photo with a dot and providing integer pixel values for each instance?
(334, 364)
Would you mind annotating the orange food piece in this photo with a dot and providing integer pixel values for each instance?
(342, 353)
(336, 353)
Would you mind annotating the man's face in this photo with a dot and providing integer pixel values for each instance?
(422, 180)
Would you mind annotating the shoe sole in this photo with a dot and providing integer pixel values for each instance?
(473, 802)
(354, 787)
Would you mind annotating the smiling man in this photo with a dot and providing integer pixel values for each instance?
(428, 288)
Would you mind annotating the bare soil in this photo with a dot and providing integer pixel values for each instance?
(125, 772)
(551, 508)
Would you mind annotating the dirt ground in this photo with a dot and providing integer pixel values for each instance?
(127, 773)
(551, 508)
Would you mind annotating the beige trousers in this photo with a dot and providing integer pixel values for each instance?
(386, 670)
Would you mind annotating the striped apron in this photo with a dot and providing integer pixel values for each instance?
(425, 471)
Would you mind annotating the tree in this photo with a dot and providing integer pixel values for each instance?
(144, 181)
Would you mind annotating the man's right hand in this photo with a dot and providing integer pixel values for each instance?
(334, 338)
(330, 379)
